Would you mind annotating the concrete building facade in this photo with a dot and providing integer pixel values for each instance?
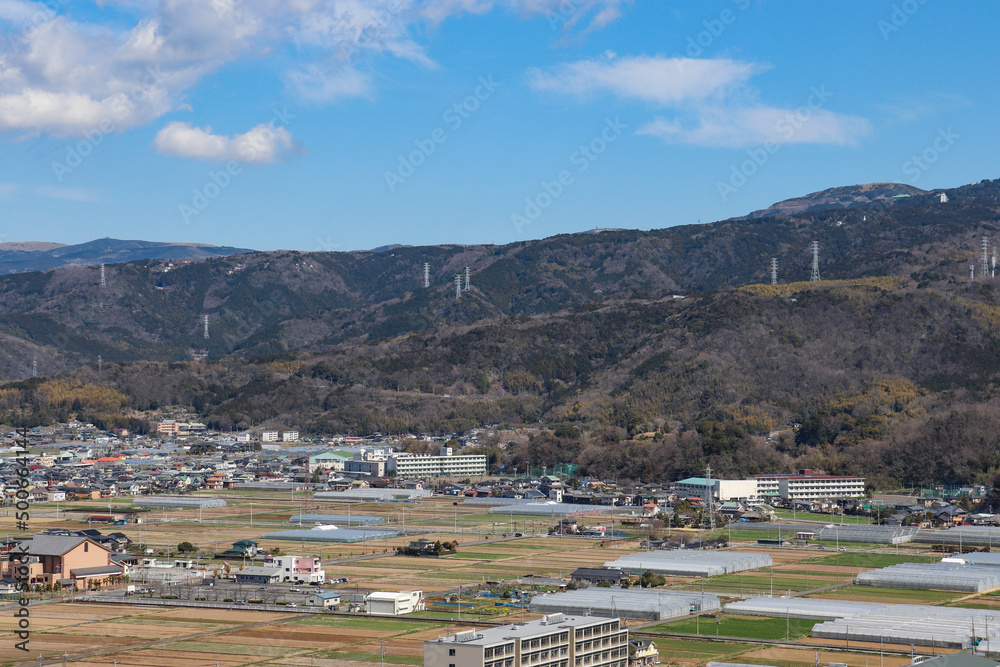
(444, 465)
(723, 489)
(808, 485)
(555, 640)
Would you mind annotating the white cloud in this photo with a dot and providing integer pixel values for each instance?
(907, 108)
(564, 14)
(711, 99)
(665, 81)
(7, 189)
(751, 126)
(263, 144)
(67, 77)
(69, 194)
(318, 84)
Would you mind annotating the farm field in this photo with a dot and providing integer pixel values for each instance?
(97, 634)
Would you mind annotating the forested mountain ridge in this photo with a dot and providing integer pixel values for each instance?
(888, 367)
(278, 302)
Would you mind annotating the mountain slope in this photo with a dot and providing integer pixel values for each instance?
(261, 303)
(839, 198)
(24, 257)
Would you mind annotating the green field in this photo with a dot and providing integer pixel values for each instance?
(741, 626)
(871, 560)
(876, 594)
(361, 656)
(701, 651)
(825, 518)
(481, 555)
(753, 584)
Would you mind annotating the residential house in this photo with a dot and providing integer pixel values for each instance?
(642, 652)
(65, 561)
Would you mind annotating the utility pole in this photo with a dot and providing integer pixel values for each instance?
(814, 278)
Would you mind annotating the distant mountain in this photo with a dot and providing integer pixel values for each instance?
(387, 248)
(30, 246)
(889, 366)
(843, 197)
(41, 256)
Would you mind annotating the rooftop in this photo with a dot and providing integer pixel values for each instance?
(503, 633)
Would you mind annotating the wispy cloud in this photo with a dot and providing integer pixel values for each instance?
(7, 189)
(710, 100)
(664, 81)
(906, 108)
(750, 126)
(69, 194)
(263, 144)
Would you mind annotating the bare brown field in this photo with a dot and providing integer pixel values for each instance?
(807, 658)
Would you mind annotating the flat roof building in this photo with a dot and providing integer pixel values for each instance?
(722, 489)
(555, 640)
(444, 465)
(808, 485)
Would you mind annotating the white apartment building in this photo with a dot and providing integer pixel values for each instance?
(269, 436)
(722, 489)
(445, 464)
(290, 436)
(808, 485)
(556, 640)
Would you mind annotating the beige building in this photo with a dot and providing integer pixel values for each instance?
(808, 485)
(556, 640)
(446, 464)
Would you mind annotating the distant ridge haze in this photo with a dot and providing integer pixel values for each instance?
(22, 257)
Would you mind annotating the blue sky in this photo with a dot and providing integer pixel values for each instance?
(348, 124)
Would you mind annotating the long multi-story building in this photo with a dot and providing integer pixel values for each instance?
(808, 485)
(445, 464)
(555, 640)
(722, 489)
